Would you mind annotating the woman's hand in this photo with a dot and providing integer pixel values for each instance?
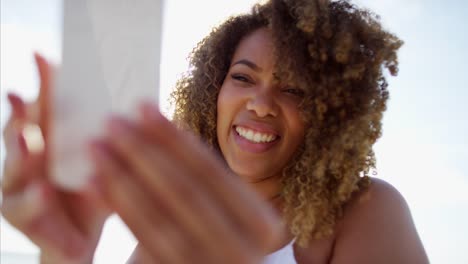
(65, 226)
(177, 198)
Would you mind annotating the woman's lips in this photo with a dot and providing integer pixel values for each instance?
(250, 146)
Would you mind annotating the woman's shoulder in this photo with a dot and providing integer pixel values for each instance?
(377, 227)
(380, 198)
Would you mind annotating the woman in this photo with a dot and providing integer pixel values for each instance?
(287, 102)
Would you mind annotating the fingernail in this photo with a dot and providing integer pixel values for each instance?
(33, 138)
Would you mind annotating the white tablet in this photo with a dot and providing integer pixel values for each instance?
(110, 62)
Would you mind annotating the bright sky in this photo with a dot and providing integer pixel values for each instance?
(423, 151)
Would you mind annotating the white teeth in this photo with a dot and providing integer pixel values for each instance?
(255, 136)
(249, 134)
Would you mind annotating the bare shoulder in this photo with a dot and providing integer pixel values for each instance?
(377, 227)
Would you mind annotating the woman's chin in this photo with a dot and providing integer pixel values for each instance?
(248, 175)
(253, 176)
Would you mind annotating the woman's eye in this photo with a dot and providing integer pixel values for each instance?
(240, 78)
(295, 92)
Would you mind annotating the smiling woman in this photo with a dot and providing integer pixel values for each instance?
(267, 158)
(309, 147)
(259, 125)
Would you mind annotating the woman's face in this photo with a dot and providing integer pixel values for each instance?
(259, 125)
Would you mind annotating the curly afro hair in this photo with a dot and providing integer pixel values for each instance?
(337, 53)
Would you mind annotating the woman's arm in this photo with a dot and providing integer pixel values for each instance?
(378, 228)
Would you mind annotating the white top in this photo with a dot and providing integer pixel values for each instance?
(284, 255)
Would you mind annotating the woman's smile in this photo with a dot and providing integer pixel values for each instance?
(253, 139)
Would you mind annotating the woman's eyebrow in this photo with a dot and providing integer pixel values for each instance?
(249, 64)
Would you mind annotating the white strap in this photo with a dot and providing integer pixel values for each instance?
(284, 255)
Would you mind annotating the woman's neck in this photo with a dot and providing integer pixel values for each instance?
(269, 190)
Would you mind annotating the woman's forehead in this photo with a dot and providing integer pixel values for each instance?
(256, 47)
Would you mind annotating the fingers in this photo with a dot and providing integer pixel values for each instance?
(31, 206)
(20, 164)
(17, 161)
(170, 182)
(31, 211)
(22, 136)
(22, 206)
(16, 121)
(256, 218)
(14, 174)
(146, 217)
(30, 203)
(184, 197)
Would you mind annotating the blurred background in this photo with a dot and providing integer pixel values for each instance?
(423, 151)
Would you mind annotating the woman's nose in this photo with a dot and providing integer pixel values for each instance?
(263, 104)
